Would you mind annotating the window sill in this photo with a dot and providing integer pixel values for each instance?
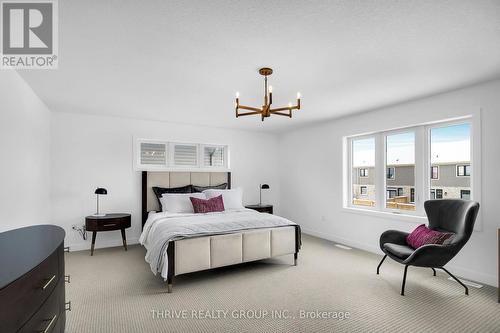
(387, 215)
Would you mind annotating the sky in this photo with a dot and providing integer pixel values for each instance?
(448, 144)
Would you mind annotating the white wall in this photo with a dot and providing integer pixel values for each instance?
(314, 176)
(25, 151)
(92, 151)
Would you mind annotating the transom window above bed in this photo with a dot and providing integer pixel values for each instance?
(178, 156)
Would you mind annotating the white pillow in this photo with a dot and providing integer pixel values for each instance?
(179, 202)
(233, 199)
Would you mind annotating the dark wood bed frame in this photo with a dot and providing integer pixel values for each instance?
(171, 247)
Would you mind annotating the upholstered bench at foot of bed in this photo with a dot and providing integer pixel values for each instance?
(201, 253)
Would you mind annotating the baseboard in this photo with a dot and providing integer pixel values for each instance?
(456, 270)
(85, 246)
(340, 240)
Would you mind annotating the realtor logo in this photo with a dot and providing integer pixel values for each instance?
(29, 34)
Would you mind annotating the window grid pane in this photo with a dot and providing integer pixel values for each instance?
(153, 153)
(213, 156)
(400, 156)
(450, 152)
(363, 177)
(185, 155)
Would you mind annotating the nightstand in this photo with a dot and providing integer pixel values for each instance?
(108, 222)
(261, 208)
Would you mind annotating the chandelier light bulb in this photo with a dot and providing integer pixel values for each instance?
(270, 89)
(237, 94)
(298, 95)
(289, 105)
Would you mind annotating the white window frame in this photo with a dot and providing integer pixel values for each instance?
(170, 166)
(422, 168)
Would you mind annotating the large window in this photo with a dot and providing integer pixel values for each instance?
(397, 170)
(363, 160)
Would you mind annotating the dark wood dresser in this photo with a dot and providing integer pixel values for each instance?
(32, 281)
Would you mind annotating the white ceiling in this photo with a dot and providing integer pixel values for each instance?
(182, 61)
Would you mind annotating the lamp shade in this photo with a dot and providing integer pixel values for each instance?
(264, 187)
(101, 191)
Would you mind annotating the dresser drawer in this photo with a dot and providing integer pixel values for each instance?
(47, 319)
(24, 296)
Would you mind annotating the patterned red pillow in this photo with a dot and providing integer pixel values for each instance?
(207, 206)
(423, 235)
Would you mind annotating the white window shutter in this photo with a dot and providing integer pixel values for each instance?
(185, 155)
(153, 153)
(213, 156)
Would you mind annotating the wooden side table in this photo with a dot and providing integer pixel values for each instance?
(261, 208)
(108, 222)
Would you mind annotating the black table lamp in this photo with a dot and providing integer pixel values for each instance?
(262, 187)
(100, 191)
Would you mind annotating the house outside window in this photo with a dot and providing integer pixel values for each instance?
(363, 190)
(465, 194)
(463, 170)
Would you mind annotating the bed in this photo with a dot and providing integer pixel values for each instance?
(179, 243)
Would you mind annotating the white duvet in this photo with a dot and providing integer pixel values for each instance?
(161, 228)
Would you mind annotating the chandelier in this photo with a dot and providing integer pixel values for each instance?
(265, 110)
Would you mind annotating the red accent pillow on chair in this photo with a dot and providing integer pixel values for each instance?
(208, 206)
(423, 235)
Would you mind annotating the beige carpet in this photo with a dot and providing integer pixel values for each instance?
(115, 291)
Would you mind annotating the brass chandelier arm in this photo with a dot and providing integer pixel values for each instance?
(249, 108)
(283, 114)
(296, 107)
(248, 114)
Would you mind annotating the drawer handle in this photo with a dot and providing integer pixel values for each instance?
(66, 249)
(67, 306)
(67, 278)
(48, 282)
(46, 330)
(109, 225)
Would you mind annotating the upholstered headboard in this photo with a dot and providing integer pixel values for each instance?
(175, 179)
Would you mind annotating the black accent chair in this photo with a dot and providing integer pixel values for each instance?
(447, 215)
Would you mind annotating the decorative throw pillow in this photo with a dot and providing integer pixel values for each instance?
(159, 191)
(213, 187)
(208, 206)
(423, 235)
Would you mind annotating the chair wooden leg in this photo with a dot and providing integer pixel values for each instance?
(434, 271)
(295, 256)
(381, 261)
(404, 281)
(456, 279)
